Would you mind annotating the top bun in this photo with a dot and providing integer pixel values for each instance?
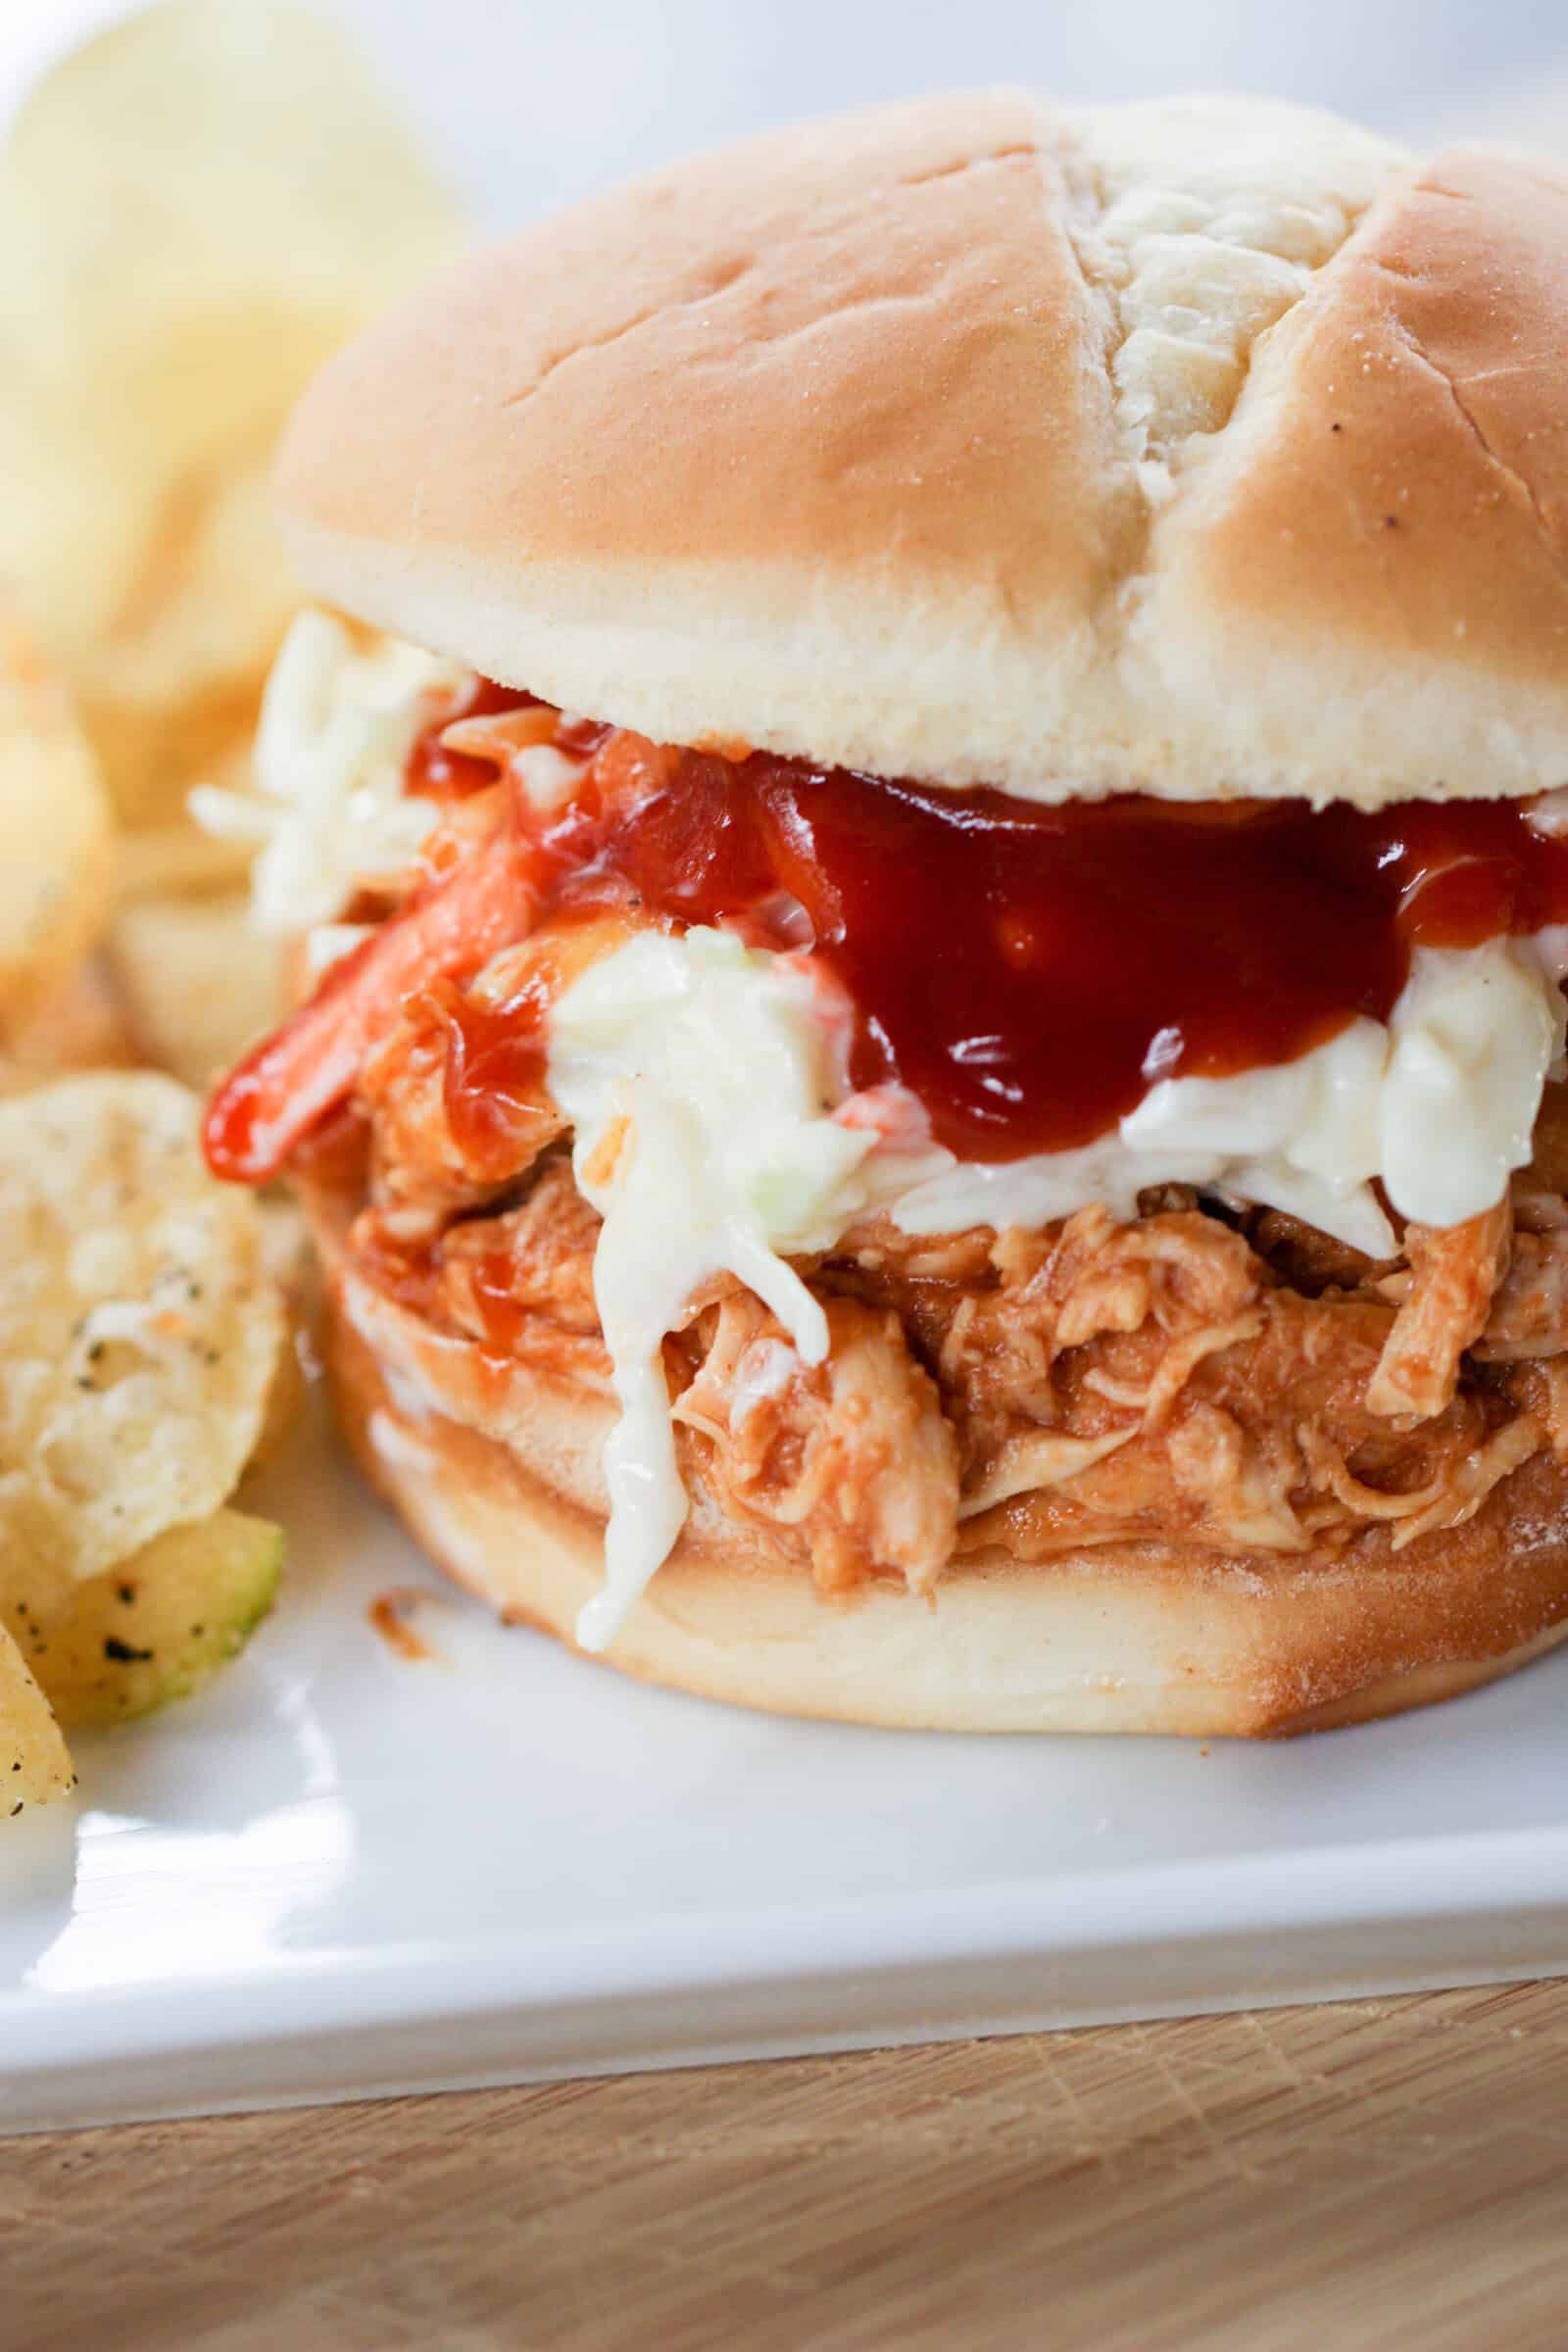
(1202, 449)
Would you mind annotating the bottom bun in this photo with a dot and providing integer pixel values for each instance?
(495, 1470)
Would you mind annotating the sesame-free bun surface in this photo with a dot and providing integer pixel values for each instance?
(1202, 448)
(495, 1468)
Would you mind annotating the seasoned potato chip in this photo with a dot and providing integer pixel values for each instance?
(196, 207)
(197, 983)
(139, 1331)
(55, 852)
(151, 1630)
(169, 691)
(34, 1762)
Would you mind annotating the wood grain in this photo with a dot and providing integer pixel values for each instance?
(1377, 2174)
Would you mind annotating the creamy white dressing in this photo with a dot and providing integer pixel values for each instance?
(327, 944)
(1475, 1035)
(330, 809)
(699, 1085)
(715, 1133)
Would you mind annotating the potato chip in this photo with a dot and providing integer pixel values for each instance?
(195, 208)
(285, 1398)
(139, 1331)
(79, 1027)
(197, 983)
(34, 1763)
(55, 851)
(175, 862)
(153, 1629)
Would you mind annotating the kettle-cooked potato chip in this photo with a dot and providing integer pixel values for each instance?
(198, 984)
(80, 1026)
(55, 850)
(196, 207)
(139, 1328)
(35, 1764)
(153, 1628)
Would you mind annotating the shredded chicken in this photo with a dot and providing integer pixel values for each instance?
(537, 1260)
(1154, 1379)
(422, 1171)
(1529, 1311)
(1091, 1279)
(852, 1461)
(468, 1050)
(922, 1277)
(1232, 1380)
(1540, 1389)
(1454, 1269)
(883, 1248)
(1309, 1261)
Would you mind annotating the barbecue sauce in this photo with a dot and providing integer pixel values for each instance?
(436, 772)
(1027, 972)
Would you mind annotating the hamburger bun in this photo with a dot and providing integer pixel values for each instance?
(496, 1470)
(1198, 448)
(1204, 449)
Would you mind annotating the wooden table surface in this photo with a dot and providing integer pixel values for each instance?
(1378, 2174)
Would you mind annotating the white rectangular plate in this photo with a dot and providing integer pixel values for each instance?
(339, 1872)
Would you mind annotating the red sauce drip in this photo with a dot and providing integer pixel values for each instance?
(407, 1271)
(410, 1272)
(1029, 972)
(432, 772)
(505, 1320)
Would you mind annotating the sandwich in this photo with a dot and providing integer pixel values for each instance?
(929, 837)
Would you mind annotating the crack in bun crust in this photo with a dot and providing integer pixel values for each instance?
(1125, 1637)
(1206, 448)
